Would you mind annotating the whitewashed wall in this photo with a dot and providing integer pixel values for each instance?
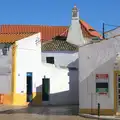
(113, 32)
(97, 58)
(63, 90)
(5, 71)
(63, 85)
(28, 60)
(64, 58)
(75, 33)
(88, 97)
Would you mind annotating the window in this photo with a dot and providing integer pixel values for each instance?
(50, 60)
(4, 50)
(74, 13)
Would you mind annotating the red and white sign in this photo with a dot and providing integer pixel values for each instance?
(101, 76)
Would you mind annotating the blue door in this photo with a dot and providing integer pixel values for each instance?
(29, 86)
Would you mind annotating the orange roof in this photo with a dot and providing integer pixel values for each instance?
(87, 30)
(10, 38)
(47, 32)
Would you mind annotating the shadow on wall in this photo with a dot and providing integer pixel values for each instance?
(70, 97)
(88, 91)
(37, 98)
(62, 103)
(64, 110)
(74, 82)
(56, 109)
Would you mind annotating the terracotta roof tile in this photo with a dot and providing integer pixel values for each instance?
(10, 38)
(86, 30)
(58, 45)
(47, 32)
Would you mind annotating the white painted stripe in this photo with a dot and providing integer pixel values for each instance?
(101, 80)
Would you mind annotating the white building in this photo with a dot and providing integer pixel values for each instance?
(34, 82)
(99, 72)
(112, 33)
(63, 49)
(60, 53)
(26, 80)
(50, 84)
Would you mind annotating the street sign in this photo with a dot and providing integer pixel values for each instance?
(102, 83)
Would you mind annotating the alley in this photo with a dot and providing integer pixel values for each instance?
(40, 113)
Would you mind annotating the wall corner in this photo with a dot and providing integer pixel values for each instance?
(13, 86)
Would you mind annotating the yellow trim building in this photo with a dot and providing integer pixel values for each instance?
(104, 61)
(14, 97)
(106, 111)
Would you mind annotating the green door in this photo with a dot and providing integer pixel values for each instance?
(45, 89)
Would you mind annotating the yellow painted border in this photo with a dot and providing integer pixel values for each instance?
(115, 90)
(13, 72)
(8, 99)
(20, 99)
(95, 111)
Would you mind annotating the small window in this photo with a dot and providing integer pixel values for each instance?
(5, 50)
(74, 14)
(50, 60)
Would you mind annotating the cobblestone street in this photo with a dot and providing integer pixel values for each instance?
(39, 113)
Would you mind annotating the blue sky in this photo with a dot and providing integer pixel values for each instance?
(58, 12)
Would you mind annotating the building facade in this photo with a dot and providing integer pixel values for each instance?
(112, 33)
(99, 77)
(5, 72)
(62, 50)
(28, 81)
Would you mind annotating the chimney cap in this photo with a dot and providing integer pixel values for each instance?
(75, 7)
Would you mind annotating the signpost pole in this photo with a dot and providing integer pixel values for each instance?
(91, 103)
(98, 111)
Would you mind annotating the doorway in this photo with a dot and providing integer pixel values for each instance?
(29, 86)
(118, 93)
(45, 89)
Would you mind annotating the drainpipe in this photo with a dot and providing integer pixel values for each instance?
(103, 31)
(91, 102)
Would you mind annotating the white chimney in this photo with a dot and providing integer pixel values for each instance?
(75, 35)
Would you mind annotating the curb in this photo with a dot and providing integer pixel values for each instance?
(100, 118)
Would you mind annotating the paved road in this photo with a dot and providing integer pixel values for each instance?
(40, 113)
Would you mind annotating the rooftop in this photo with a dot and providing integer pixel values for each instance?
(11, 33)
